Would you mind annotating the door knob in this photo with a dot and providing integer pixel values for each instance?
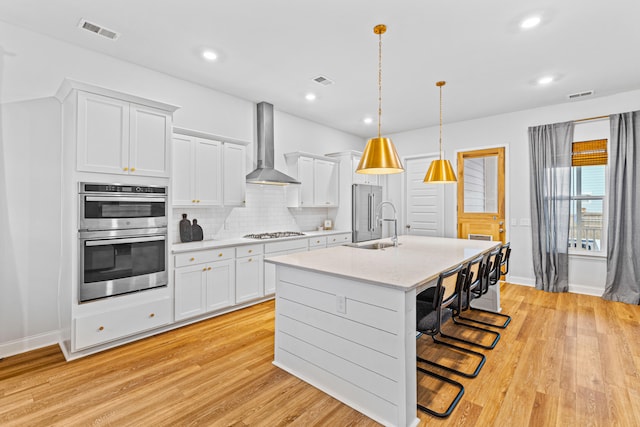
(502, 230)
(501, 223)
(408, 226)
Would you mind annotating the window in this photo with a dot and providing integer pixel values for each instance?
(587, 225)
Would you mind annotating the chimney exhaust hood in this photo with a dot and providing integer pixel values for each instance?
(265, 173)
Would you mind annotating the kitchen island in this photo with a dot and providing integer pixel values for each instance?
(345, 319)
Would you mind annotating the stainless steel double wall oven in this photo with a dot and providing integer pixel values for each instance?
(123, 239)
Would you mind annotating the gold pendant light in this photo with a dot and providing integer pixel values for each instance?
(380, 155)
(440, 171)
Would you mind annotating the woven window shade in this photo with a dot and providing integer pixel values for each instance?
(589, 153)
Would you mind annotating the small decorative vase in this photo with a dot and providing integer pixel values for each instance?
(196, 231)
(185, 229)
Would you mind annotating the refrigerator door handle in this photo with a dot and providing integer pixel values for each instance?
(369, 212)
(373, 206)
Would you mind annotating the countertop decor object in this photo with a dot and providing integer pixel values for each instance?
(196, 231)
(440, 171)
(185, 229)
(380, 156)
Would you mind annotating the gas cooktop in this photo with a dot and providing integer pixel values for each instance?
(273, 235)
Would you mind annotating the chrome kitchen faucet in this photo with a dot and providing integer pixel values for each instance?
(379, 219)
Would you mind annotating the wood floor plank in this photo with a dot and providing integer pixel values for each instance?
(565, 359)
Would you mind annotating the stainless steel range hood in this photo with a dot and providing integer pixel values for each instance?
(265, 173)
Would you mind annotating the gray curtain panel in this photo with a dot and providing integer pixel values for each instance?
(623, 240)
(550, 157)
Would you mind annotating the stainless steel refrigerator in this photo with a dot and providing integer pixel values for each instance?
(365, 199)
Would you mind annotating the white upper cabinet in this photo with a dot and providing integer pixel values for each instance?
(319, 178)
(120, 137)
(234, 175)
(115, 133)
(325, 182)
(207, 167)
(207, 172)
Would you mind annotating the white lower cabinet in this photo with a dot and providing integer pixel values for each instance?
(275, 249)
(111, 325)
(249, 273)
(338, 239)
(204, 281)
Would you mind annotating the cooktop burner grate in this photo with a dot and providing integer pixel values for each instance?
(273, 235)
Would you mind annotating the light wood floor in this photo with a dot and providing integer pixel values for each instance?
(565, 360)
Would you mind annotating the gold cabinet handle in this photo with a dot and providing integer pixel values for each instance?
(198, 200)
(125, 168)
(192, 259)
(317, 241)
(101, 328)
(220, 254)
(204, 268)
(208, 268)
(250, 250)
(250, 259)
(152, 315)
(133, 169)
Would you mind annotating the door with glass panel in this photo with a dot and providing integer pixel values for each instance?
(481, 207)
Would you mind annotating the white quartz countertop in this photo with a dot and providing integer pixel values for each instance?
(215, 244)
(416, 261)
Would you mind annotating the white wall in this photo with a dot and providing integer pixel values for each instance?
(510, 130)
(32, 67)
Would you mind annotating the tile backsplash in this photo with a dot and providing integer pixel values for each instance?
(265, 210)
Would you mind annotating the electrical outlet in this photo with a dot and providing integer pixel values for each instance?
(514, 222)
(341, 304)
(525, 222)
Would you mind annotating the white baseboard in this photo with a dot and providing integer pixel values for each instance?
(23, 345)
(573, 288)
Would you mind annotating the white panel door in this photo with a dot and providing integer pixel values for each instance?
(208, 167)
(182, 177)
(249, 278)
(305, 176)
(149, 141)
(234, 176)
(325, 183)
(103, 134)
(220, 284)
(424, 202)
(190, 291)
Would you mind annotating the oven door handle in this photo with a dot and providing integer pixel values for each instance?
(125, 199)
(116, 241)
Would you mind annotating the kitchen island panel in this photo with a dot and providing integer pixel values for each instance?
(350, 339)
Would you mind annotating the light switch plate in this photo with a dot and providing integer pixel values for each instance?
(514, 222)
(525, 222)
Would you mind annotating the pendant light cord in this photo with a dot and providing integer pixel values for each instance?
(379, 80)
(440, 84)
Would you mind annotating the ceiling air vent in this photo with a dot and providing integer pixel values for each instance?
(324, 81)
(95, 28)
(580, 94)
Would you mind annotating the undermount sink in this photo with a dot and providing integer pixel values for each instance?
(378, 245)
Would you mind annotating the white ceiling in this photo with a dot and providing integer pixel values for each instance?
(271, 49)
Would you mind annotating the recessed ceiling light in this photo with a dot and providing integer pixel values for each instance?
(530, 22)
(545, 80)
(209, 55)
(367, 120)
(310, 97)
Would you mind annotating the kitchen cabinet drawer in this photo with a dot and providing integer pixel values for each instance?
(115, 324)
(317, 242)
(249, 250)
(339, 239)
(287, 245)
(201, 257)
